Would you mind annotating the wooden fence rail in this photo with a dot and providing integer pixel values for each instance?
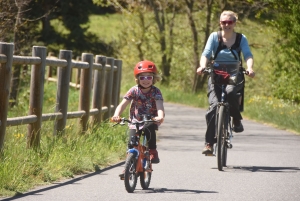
(100, 79)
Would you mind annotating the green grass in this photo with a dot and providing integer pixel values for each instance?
(279, 113)
(58, 157)
(106, 27)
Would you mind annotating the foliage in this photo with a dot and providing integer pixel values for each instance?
(285, 72)
(64, 25)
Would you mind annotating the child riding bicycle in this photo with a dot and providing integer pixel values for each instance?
(145, 99)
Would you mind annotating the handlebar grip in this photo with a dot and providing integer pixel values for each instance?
(246, 72)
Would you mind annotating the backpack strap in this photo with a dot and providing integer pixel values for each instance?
(235, 46)
(220, 46)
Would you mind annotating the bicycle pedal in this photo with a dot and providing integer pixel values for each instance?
(210, 155)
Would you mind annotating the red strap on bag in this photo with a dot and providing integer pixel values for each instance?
(221, 77)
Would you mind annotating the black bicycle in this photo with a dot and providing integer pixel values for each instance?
(223, 74)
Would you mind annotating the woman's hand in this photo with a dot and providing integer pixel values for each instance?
(200, 70)
(251, 73)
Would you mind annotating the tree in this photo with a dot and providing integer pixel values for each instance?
(14, 28)
(165, 27)
(162, 15)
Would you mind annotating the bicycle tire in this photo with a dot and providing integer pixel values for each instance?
(226, 138)
(224, 157)
(130, 176)
(221, 141)
(145, 178)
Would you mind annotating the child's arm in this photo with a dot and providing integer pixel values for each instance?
(119, 110)
(160, 111)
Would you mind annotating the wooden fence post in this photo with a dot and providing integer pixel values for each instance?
(50, 68)
(85, 90)
(108, 88)
(99, 78)
(78, 71)
(63, 86)
(116, 84)
(36, 96)
(5, 76)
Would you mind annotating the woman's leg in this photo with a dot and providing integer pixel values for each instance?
(213, 100)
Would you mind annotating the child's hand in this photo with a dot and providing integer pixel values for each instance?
(159, 119)
(115, 119)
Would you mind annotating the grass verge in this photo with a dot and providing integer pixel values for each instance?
(58, 157)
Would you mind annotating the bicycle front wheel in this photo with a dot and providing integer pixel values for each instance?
(221, 138)
(145, 177)
(130, 176)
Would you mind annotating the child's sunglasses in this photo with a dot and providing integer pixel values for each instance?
(229, 22)
(145, 77)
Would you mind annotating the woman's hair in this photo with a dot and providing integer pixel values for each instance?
(230, 13)
(156, 78)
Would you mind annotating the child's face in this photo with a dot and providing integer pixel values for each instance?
(145, 79)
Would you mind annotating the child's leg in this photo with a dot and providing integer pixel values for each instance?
(131, 138)
(150, 133)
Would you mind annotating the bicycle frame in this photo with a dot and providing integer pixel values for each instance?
(143, 152)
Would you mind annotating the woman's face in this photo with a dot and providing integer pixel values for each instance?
(145, 79)
(227, 23)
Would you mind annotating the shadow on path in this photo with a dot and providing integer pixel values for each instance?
(166, 190)
(57, 185)
(263, 169)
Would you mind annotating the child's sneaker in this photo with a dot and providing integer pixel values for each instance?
(154, 156)
(122, 175)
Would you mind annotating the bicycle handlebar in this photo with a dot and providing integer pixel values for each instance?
(123, 120)
(207, 70)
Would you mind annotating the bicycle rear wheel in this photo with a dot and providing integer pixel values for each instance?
(221, 138)
(130, 176)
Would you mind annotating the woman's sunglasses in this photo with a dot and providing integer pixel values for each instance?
(229, 22)
(145, 77)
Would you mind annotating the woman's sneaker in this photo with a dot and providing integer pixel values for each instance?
(208, 149)
(237, 126)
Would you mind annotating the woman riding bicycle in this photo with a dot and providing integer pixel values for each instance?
(228, 37)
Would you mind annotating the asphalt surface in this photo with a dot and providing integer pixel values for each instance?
(264, 164)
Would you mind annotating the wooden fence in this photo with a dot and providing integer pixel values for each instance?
(100, 79)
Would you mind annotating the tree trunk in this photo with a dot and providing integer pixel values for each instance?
(15, 80)
(189, 9)
(202, 79)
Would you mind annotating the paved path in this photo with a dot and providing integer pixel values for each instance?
(264, 164)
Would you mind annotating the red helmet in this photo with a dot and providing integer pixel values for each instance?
(144, 67)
